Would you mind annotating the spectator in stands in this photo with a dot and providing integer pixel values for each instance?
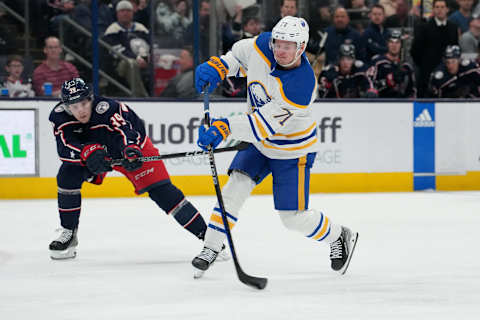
(359, 15)
(232, 30)
(82, 14)
(455, 77)
(402, 18)
(320, 19)
(390, 7)
(172, 23)
(130, 40)
(469, 40)
(15, 80)
(429, 43)
(463, 15)
(237, 86)
(181, 86)
(7, 39)
(204, 22)
(341, 33)
(63, 8)
(393, 77)
(287, 8)
(374, 37)
(347, 78)
(53, 70)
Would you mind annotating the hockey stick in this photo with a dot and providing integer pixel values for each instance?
(255, 282)
(240, 146)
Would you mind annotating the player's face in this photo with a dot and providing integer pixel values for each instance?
(452, 65)
(82, 111)
(284, 51)
(394, 47)
(346, 64)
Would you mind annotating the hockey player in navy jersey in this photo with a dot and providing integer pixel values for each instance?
(90, 130)
(455, 77)
(279, 123)
(347, 78)
(392, 77)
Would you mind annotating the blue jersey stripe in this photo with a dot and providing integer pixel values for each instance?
(284, 142)
(266, 122)
(317, 228)
(216, 228)
(228, 214)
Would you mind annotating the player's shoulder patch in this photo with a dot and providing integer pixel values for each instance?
(102, 107)
(59, 108)
(438, 75)
(359, 63)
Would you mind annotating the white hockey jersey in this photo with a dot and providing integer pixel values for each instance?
(279, 120)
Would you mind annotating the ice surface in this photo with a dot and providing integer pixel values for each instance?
(417, 258)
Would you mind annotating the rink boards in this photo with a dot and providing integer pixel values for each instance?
(364, 147)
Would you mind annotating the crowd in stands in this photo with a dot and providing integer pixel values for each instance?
(358, 48)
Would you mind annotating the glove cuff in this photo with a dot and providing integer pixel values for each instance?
(220, 65)
(89, 149)
(223, 127)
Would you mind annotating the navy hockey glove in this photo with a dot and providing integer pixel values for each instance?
(95, 157)
(218, 132)
(131, 155)
(211, 72)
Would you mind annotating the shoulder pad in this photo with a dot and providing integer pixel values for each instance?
(102, 107)
(465, 62)
(59, 108)
(438, 75)
(359, 63)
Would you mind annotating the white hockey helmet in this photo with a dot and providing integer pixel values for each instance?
(291, 29)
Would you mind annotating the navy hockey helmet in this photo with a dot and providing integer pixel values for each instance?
(394, 35)
(346, 50)
(452, 52)
(74, 91)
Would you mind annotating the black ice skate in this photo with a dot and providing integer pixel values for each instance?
(341, 250)
(65, 246)
(205, 259)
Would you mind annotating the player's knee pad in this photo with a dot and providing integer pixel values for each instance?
(236, 191)
(302, 221)
(167, 196)
(70, 176)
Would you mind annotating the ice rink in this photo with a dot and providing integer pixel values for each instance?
(417, 258)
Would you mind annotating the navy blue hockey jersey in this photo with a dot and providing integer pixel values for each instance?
(112, 124)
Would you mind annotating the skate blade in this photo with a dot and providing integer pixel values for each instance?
(197, 273)
(69, 253)
(353, 243)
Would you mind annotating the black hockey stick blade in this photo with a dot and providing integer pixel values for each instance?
(252, 281)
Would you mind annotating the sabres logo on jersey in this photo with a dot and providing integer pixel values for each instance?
(257, 95)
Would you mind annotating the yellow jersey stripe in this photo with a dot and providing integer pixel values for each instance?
(302, 161)
(296, 134)
(285, 97)
(260, 126)
(218, 219)
(290, 148)
(322, 231)
(261, 53)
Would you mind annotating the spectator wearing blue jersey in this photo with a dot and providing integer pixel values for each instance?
(463, 15)
(375, 35)
(341, 33)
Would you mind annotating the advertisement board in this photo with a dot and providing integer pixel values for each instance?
(18, 142)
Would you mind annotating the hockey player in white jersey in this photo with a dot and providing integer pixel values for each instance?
(281, 88)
